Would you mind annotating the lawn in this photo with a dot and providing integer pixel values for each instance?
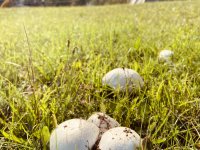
(53, 61)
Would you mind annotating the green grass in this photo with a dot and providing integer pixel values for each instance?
(56, 70)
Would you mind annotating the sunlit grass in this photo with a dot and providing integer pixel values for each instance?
(57, 70)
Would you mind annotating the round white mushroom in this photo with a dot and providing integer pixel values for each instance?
(122, 79)
(132, 2)
(165, 55)
(103, 121)
(140, 1)
(74, 134)
(120, 138)
(137, 2)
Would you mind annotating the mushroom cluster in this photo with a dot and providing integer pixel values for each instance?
(100, 131)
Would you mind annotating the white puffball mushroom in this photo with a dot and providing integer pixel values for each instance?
(74, 134)
(103, 121)
(122, 79)
(137, 2)
(132, 2)
(120, 138)
(140, 1)
(165, 55)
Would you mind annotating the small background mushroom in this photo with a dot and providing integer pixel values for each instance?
(165, 56)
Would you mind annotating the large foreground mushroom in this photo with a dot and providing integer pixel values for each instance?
(74, 134)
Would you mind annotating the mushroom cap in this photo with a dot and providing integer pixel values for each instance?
(122, 79)
(132, 1)
(137, 1)
(165, 55)
(74, 134)
(103, 121)
(120, 138)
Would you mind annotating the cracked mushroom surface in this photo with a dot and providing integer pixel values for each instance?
(103, 121)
